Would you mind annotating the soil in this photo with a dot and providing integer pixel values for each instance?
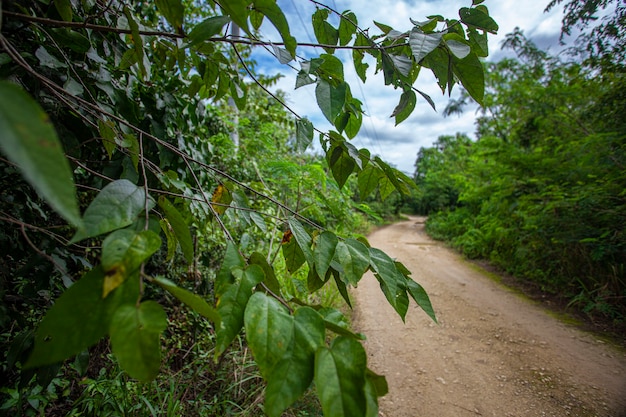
(493, 351)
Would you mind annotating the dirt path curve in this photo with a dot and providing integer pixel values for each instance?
(492, 354)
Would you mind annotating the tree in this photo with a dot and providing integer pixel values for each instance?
(112, 109)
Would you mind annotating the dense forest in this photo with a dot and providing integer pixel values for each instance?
(541, 193)
(170, 247)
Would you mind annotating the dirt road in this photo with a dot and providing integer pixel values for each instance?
(493, 353)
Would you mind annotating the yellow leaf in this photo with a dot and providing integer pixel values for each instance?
(113, 278)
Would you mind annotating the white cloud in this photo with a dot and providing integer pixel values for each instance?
(399, 145)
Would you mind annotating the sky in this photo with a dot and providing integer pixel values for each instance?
(399, 145)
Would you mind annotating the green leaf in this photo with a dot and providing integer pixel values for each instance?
(391, 281)
(137, 41)
(191, 300)
(325, 33)
(232, 304)
(274, 13)
(302, 238)
(457, 45)
(335, 321)
(347, 27)
(340, 378)
(330, 67)
(405, 107)
(135, 332)
(439, 63)
(207, 29)
(478, 42)
(375, 386)
(270, 280)
(79, 318)
(303, 79)
(423, 43)
(283, 55)
(107, 132)
(64, 7)
(478, 19)
(324, 252)
(71, 39)
(341, 164)
(269, 331)
(421, 298)
(294, 373)
(173, 11)
(232, 260)
(181, 230)
(304, 134)
(368, 180)
(123, 252)
(354, 258)
(294, 257)
(330, 99)
(29, 140)
(238, 11)
(341, 287)
(471, 74)
(357, 57)
(117, 205)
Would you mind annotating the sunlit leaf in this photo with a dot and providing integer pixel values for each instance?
(135, 332)
(79, 318)
(423, 43)
(117, 205)
(222, 197)
(28, 139)
(340, 378)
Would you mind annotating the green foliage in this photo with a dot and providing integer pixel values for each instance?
(541, 193)
(119, 110)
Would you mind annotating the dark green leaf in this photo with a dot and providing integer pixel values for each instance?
(238, 11)
(335, 321)
(29, 140)
(303, 79)
(71, 39)
(108, 134)
(64, 7)
(117, 205)
(294, 257)
(302, 238)
(342, 288)
(357, 57)
(340, 378)
(471, 74)
(405, 107)
(180, 228)
(478, 42)
(274, 13)
(135, 332)
(270, 280)
(325, 33)
(207, 29)
(232, 304)
(137, 41)
(421, 298)
(191, 300)
(478, 19)
(79, 318)
(173, 11)
(283, 55)
(341, 164)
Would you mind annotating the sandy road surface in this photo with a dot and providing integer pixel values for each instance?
(492, 354)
